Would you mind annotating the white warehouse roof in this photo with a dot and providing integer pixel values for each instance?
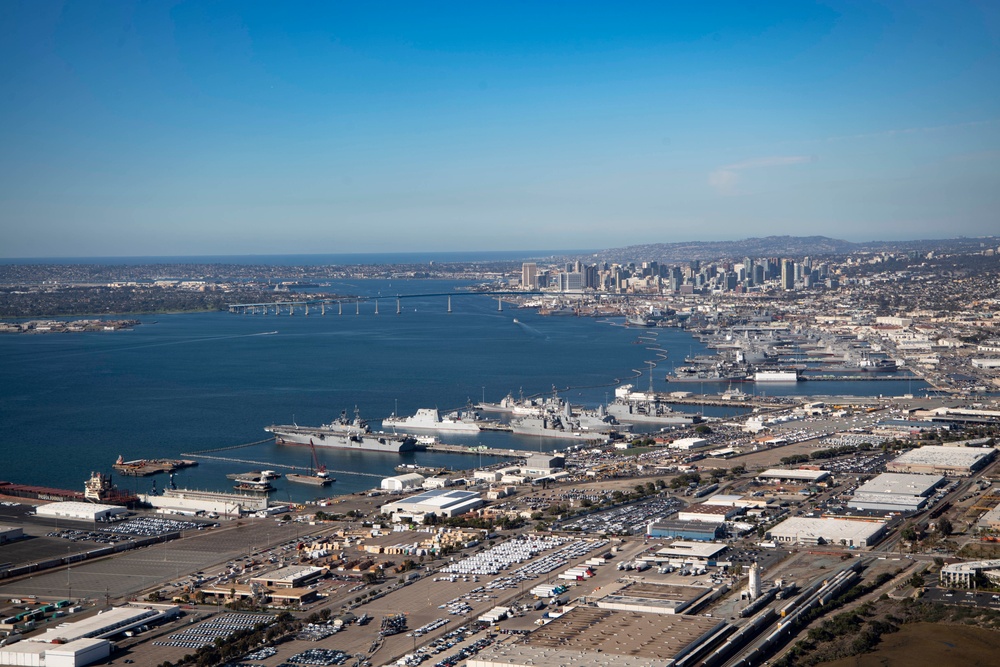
(897, 483)
(77, 510)
(802, 475)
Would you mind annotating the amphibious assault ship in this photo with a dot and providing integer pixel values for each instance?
(343, 433)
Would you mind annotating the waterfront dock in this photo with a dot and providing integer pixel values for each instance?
(485, 451)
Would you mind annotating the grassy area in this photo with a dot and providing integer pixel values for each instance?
(929, 645)
(874, 627)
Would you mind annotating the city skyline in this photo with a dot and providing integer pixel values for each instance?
(232, 129)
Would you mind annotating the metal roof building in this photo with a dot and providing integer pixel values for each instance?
(795, 475)
(80, 511)
(895, 492)
(845, 532)
(685, 530)
(935, 459)
(441, 502)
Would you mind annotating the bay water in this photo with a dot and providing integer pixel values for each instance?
(72, 403)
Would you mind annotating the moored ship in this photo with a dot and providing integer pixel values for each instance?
(429, 419)
(343, 434)
(646, 408)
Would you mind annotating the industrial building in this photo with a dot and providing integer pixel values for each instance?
(688, 443)
(798, 475)
(685, 530)
(404, 482)
(990, 520)
(440, 502)
(896, 492)
(107, 624)
(80, 511)
(843, 532)
(651, 598)
(293, 576)
(76, 653)
(10, 533)
(939, 460)
(691, 551)
(190, 501)
(604, 637)
(709, 513)
(542, 465)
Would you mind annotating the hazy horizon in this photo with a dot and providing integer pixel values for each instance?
(231, 128)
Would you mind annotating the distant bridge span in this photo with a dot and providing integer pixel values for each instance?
(339, 303)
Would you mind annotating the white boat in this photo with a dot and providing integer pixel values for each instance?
(429, 419)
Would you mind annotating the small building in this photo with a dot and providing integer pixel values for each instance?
(405, 482)
(844, 532)
(80, 511)
(10, 533)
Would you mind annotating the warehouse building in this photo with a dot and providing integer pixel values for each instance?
(797, 475)
(688, 443)
(604, 637)
(293, 576)
(401, 483)
(685, 530)
(990, 520)
(80, 511)
(77, 653)
(189, 501)
(440, 502)
(542, 465)
(107, 624)
(691, 551)
(896, 492)
(843, 532)
(648, 598)
(938, 460)
(709, 513)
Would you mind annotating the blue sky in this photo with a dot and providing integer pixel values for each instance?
(161, 128)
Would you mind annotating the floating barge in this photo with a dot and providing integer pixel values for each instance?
(147, 467)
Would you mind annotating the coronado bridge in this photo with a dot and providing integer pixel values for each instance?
(342, 304)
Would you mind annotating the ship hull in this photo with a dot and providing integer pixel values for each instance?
(365, 442)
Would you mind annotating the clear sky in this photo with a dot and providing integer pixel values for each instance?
(159, 128)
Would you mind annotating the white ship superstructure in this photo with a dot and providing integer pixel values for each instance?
(429, 419)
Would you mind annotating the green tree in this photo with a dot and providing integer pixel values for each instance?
(944, 526)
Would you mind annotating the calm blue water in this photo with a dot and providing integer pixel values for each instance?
(72, 403)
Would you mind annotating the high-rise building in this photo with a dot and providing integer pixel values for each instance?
(787, 274)
(529, 276)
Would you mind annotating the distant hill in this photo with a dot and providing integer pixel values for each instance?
(778, 246)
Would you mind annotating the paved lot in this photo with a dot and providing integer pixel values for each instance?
(129, 573)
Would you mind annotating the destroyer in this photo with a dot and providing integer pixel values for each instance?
(343, 434)
(645, 408)
(429, 419)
